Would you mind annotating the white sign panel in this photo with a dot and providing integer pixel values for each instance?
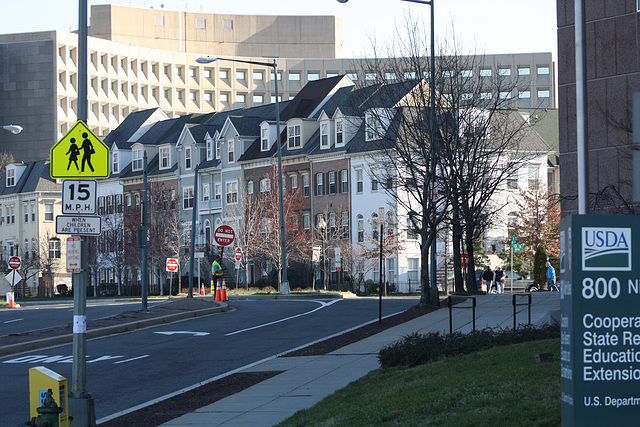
(80, 225)
(79, 196)
(73, 254)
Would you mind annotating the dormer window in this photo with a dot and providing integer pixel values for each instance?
(324, 135)
(137, 160)
(165, 161)
(373, 128)
(294, 136)
(11, 177)
(209, 149)
(231, 151)
(264, 140)
(187, 157)
(218, 150)
(339, 133)
(115, 161)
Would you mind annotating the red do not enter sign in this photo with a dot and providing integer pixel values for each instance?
(15, 262)
(224, 235)
(172, 264)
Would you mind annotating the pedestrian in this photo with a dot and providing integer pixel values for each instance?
(487, 278)
(499, 279)
(216, 270)
(551, 277)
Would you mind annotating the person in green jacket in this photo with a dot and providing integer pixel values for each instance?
(216, 271)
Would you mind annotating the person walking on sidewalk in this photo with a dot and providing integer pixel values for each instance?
(551, 277)
(216, 271)
(499, 279)
(487, 277)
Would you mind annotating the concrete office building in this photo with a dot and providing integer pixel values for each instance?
(150, 62)
(613, 80)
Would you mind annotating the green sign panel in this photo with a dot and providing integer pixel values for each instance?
(600, 320)
(514, 239)
(517, 246)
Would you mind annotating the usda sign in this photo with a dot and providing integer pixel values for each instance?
(600, 320)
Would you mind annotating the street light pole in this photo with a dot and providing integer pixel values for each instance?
(284, 287)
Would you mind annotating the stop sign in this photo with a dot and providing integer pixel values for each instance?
(238, 254)
(172, 264)
(14, 262)
(224, 235)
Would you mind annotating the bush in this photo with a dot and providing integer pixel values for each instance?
(416, 349)
(62, 290)
(539, 269)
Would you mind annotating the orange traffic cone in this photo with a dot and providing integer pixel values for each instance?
(202, 290)
(223, 292)
(218, 297)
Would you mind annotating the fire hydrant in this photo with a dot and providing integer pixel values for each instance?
(49, 413)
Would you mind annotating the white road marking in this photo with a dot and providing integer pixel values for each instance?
(195, 334)
(322, 305)
(129, 360)
(14, 320)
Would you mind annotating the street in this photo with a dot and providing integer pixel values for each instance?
(133, 368)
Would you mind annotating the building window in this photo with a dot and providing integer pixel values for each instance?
(250, 188)
(164, 158)
(217, 191)
(201, 23)
(543, 93)
(345, 224)
(294, 136)
(231, 150)
(273, 76)
(485, 72)
(115, 165)
(339, 133)
(218, 148)
(159, 19)
(332, 183)
(187, 198)
(206, 193)
(486, 96)
(54, 248)
(466, 73)
(227, 24)
(505, 95)
(324, 135)
(411, 230)
(294, 182)
(313, 76)
(294, 76)
(353, 76)
(223, 74)
(504, 71)
(542, 70)
(264, 140)
(533, 176)
(319, 184)
(374, 182)
(11, 177)
(232, 192)
(370, 77)
(512, 181)
(412, 269)
(305, 185)
(359, 181)
(524, 71)
(137, 160)
(265, 186)
(258, 99)
(48, 212)
(344, 181)
(360, 228)
(524, 94)
(187, 157)
(257, 75)
(306, 221)
(209, 149)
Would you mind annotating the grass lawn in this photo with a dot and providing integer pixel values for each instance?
(502, 386)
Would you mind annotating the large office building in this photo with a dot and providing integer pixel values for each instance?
(140, 59)
(613, 81)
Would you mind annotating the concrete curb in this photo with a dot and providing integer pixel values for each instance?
(110, 330)
(279, 296)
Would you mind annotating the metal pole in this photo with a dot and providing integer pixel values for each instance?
(145, 247)
(192, 244)
(511, 278)
(81, 406)
(432, 119)
(581, 108)
(284, 287)
(381, 284)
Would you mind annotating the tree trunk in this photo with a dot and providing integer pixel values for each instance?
(457, 239)
(471, 276)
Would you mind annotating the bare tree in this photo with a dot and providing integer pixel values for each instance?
(50, 258)
(538, 215)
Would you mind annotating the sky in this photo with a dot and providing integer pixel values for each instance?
(483, 26)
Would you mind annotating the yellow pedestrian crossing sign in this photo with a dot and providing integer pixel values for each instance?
(80, 154)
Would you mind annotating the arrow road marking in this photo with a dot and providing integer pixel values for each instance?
(322, 305)
(195, 334)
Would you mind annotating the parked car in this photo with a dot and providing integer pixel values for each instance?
(520, 284)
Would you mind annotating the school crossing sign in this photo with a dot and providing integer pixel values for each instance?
(80, 154)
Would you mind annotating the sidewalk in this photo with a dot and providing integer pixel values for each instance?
(307, 380)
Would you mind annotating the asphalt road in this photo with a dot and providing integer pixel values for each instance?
(133, 368)
(44, 315)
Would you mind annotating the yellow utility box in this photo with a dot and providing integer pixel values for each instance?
(41, 380)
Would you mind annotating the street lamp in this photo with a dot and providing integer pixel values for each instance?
(432, 129)
(284, 287)
(14, 129)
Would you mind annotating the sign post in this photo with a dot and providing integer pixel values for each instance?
(172, 267)
(599, 323)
